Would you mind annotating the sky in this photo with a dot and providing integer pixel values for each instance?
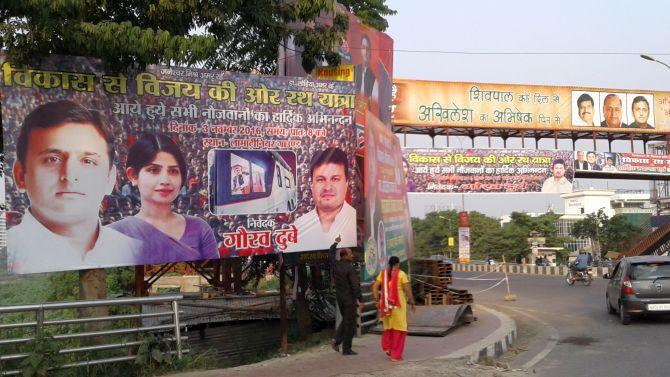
(585, 43)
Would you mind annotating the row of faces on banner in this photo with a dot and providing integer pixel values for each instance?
(613, 110)
(64, 164)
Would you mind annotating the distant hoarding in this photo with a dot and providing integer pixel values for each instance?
(611, 163)
(488, 170)
(234, 162)
(370, 52)
(459, 104)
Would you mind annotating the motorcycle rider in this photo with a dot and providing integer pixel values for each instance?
(583, 262)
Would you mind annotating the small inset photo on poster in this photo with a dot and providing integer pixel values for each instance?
(246, 182)
(640, 110)
(585, 111)
(613, 106)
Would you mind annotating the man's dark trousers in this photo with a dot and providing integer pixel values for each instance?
(345, 331)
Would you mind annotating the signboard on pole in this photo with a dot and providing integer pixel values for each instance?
(463, 244)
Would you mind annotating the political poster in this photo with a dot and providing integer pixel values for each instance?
(486, 105)
(620, 164)
(172, 164)
(488, 170)
(388, 226)
(369, 53)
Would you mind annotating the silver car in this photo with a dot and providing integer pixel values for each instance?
(639, 285)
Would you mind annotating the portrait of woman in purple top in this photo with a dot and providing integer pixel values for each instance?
(156, 166)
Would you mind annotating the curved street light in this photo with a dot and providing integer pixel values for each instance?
(651, 58)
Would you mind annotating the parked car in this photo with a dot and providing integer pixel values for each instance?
(637, 286)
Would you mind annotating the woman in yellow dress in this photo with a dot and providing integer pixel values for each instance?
(392, 304)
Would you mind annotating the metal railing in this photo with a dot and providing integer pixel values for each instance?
(134, 326)
(658, 242)
(367, 318)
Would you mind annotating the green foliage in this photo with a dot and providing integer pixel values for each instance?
(620, 234)
(592, 227)
(63, 286)
(24, 290)
(231, 35)
(120, 281)
(487, 237)
(44, 356)
(497, 241)
(155, 353)
(371, 12)
(607, 234)
(543, 224)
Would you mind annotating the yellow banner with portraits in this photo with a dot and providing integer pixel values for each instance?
(481, 105)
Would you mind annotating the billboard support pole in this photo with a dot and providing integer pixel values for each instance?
(555, 139)
(446, 133)
(593, 135)
(283, 315)
(632, 143)
(227, 273)
(216, 278)
(488, 133)
(523, 139)
(140, 286)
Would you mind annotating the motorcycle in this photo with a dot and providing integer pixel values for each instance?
(585, 276)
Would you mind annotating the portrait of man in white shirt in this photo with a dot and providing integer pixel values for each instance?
(65, 166)
(332, 216)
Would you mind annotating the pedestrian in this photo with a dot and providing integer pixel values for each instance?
(392, 304)
(347, 292)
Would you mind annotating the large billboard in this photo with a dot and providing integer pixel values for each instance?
(387, 222)
(488, 170)
(460, 104)
(172, 164)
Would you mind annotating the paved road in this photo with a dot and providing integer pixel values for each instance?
(565, 330)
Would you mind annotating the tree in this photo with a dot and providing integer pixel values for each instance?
(593, 228)
(619, 234)
(487, 237)
(220, 34)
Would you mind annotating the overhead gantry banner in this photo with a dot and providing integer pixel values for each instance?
(480, 105)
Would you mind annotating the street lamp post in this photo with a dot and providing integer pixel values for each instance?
(651, 58)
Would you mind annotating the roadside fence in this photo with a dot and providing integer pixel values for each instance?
(26, 324)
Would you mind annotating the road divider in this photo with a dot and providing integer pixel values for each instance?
(522, 269)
